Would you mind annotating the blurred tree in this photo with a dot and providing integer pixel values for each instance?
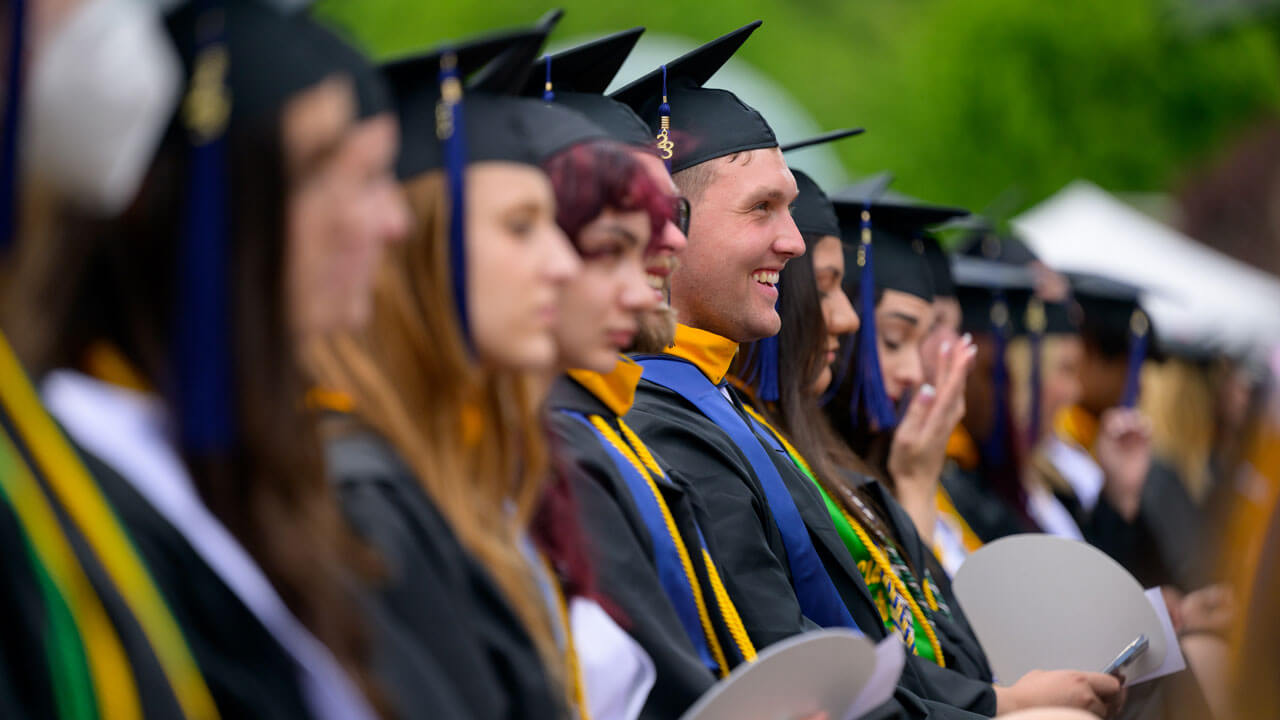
(962, 100)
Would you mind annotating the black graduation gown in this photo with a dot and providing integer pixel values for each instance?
(1163, 545)
(622, 556)
(752, 557)
(441, 599)
(960, 646)
(248, 673)
(988, 516)
(25, 686)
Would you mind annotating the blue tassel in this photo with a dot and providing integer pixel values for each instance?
(666, 148)
(868, 385)
(547, 94)
(994, 449)
(12, 117)
(452, 133)
(206, 398)
(764, 367)
(1138, 327)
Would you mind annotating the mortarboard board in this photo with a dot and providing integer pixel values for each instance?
(578, 77)
(497, 127)
(695, 124)
(508, 73)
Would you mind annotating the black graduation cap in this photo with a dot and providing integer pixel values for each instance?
(696, 124)
(373, 97)
(982, 238)
(1112, 317)
(896, 224)
(987, 291)
(939, 266)
(270, 56)
(495, 127)
(812, 210)
(894, 210)
(578, 77)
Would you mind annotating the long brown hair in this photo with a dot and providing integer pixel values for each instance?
(802, 346)
(472, 436)
(113, 281)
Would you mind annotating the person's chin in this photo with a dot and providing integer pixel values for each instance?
(534, 355)
(823, 382)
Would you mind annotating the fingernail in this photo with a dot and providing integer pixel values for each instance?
(967, 339)
(973, 350)
(927, 390)
(946, 345)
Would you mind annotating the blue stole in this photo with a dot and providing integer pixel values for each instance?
(819, 599)
(665, 555)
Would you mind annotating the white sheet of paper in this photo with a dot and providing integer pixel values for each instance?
(1173, 660)
(1049, 603)
(836, 671)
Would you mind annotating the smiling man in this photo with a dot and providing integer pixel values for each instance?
(767, 528)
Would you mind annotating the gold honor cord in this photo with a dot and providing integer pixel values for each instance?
(114, 688)
(80, 495)
(893, 582)
(948, 509)
(728, 612)
(686, 562)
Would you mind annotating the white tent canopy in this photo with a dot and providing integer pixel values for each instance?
(1195, 295)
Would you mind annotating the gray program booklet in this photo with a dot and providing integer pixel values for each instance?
(838, 672)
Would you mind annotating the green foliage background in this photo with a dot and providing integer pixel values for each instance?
(965, 100)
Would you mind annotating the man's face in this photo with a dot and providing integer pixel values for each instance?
(740, 237)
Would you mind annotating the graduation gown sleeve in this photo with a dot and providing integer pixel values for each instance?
(621, 555)
(750, 553)
(752, 558)
(248, 673)
(435, 593)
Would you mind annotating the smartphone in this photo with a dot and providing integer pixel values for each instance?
(1128, 655)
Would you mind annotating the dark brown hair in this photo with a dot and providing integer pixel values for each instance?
(801, 356)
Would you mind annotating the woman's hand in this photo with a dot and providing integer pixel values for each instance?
(920, 442)
(1098, 693)
(1123, 450)
(1209, 609)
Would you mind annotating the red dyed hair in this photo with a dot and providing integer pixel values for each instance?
(602, 175)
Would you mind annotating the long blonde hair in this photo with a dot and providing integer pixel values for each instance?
(1177, 396)
(472, 436)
